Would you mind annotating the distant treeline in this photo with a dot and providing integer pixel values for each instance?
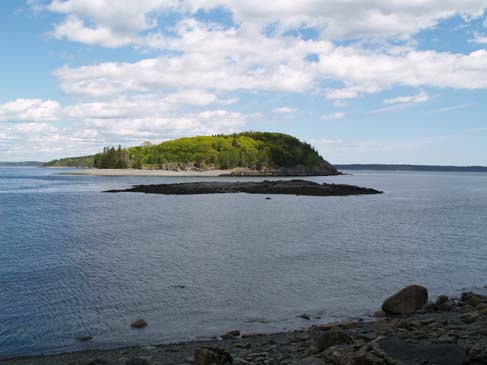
(75, 162)
(379, 167)
(252, 150)
(22, 163)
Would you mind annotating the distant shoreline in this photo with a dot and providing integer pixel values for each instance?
(403, 167)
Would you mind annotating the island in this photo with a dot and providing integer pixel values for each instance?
(242, 154)
(287, 187)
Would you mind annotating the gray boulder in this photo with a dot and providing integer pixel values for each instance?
(209, 356)
(406, 301)
(331, 338)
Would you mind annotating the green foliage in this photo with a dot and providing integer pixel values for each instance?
(112, 158)
(252, 150)
(83, 161)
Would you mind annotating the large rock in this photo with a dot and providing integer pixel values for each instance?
(211, 356)
(406, 301)
(423, 352)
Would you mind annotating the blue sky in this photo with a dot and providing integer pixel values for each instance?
(365, 81)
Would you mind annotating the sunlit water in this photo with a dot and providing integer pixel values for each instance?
(76, 261)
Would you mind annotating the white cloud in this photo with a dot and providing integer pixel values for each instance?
(336, 116)
(30, 110)
(209, 56)
(284, 110)
(91, 128)
(422, 97)
(340, 19)
(451, 108)
(107, 23)
(113, 24)
(158, 127)
(75, 29)
(126, 119)
(240, 59)
(479, 38)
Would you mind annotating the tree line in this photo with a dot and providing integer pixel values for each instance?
(252, 150)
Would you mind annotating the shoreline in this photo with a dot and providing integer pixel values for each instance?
(445, 331)
(133, 172)
(238, 172)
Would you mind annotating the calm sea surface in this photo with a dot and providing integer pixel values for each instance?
(76, 261)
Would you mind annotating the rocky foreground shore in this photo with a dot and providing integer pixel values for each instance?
(407, 330)
(289, 187)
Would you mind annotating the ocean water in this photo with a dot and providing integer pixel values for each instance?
(77, 261)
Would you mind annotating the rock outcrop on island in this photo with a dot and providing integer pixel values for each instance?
(242, 154)
(287, 187)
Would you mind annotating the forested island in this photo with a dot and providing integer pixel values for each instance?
(248, 153)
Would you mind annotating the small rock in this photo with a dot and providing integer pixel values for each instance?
(231, 334)
(268, 198)
(209, 356)
(305, 316)
(149, 348)
(427, 322)
(309, 361)
(400, 323)
(379, 314)
(442, 299)
(442, 304)
(406, 301)
(245, 346)
(98, 362)
(474, 301)
(470, 317)
(140, 323)
(312, 350)
(138, 361)
(331, 338)
(123, 360)
(84, 338)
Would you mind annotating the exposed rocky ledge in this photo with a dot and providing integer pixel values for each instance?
(448, 331)
(324, 169)
(289, 187)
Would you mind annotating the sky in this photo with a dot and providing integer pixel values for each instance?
(364, 81)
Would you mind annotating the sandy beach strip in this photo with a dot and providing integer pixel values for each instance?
(134, 172)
